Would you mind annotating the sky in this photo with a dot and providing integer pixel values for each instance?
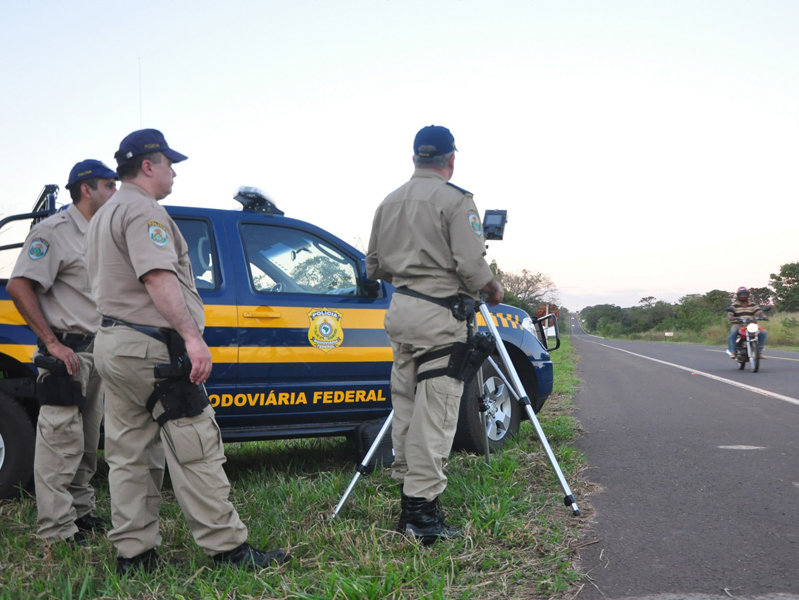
(640, 147)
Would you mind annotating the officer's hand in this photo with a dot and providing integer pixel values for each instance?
(200, 356)
(65, 354)
(493, 293)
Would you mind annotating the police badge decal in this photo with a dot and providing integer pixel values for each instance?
(157, 233)
(325, 331)
(38, 248)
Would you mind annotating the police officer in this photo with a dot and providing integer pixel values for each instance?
(427, 239)
(152, 314)
(50, 288)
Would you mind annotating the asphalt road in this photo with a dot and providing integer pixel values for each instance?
(698, 477)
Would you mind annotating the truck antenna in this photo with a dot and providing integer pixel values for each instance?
(141, 126)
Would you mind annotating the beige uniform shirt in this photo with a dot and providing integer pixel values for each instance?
(428, 236)
(128, 237)
(53, 257)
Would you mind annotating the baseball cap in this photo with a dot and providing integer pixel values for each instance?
(89, 169)
(145, 141)
(436, 136)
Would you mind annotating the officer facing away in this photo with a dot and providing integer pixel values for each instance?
(143, 283)
(50, 288)
(427, 239)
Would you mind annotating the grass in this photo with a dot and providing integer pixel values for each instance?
(783, 332)
(519, 541)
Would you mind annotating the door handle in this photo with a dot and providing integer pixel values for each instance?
(262, 313)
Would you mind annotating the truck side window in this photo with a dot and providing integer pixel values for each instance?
(283, 260)
(201, 251)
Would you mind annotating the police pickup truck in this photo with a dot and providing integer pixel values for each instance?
(295, 329)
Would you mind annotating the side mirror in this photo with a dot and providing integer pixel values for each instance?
(373, 289)
(767, 308)
(730, 309)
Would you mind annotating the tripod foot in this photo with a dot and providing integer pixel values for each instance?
(569, 501)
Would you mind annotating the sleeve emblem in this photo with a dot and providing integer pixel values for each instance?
(474, 223)
(157, 233)
(38, 248)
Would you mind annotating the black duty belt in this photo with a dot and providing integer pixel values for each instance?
(445, 302)
(78, 342)
(162, 334)
(461, 306)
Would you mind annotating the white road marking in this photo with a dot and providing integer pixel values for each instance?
(741, 447)
(709, 376)
(769, 357)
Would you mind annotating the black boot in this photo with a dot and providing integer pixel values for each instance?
(403, 519)
(89, 522)
(425, 521)
(247, 557)
(146, 562)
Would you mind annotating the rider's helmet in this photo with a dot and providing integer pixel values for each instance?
(742, 294)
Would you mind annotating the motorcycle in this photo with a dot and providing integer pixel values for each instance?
(747, 345)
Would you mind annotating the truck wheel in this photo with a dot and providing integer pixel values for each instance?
(504, 415)
(17, 441)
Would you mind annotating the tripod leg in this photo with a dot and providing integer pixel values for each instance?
(481, 397)
(518, 390)
(362, 468)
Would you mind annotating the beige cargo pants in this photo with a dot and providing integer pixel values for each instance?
(65, 458)
(137, 448)
(425, 415)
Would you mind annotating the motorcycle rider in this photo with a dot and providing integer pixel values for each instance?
(742, 309)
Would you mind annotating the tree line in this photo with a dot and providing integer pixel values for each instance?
(526, 289)
(693, 312)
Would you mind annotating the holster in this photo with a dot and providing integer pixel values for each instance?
(179, 397)
(58, 388)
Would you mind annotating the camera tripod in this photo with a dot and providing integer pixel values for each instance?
(514, 384)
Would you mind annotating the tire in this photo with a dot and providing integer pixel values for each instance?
(754, 358)
(504, 411)
(17, 442)
(740, 360)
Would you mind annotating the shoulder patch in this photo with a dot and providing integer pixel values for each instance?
(474, 223)
(459, 189)
(38, 248)
(157, 233)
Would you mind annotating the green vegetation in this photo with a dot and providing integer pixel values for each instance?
(519, 537)
(701, 318)
(783, 332)
(783, 328)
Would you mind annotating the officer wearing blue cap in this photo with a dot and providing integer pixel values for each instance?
(142, 280)
(427, 239)
(50, 288)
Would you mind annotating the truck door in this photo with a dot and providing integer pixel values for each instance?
(312, 347)
(212, 276)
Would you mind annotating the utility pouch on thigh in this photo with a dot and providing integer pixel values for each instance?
(179, 398)
(58, 388)
(482, 345)
(457, 353)
(464, 358)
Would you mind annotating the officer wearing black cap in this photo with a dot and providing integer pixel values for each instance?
(50, 287)
(427, 239)
(142, 281)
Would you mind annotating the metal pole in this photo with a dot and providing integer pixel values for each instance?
(481, 399)
(362, 468)
(518, 389)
